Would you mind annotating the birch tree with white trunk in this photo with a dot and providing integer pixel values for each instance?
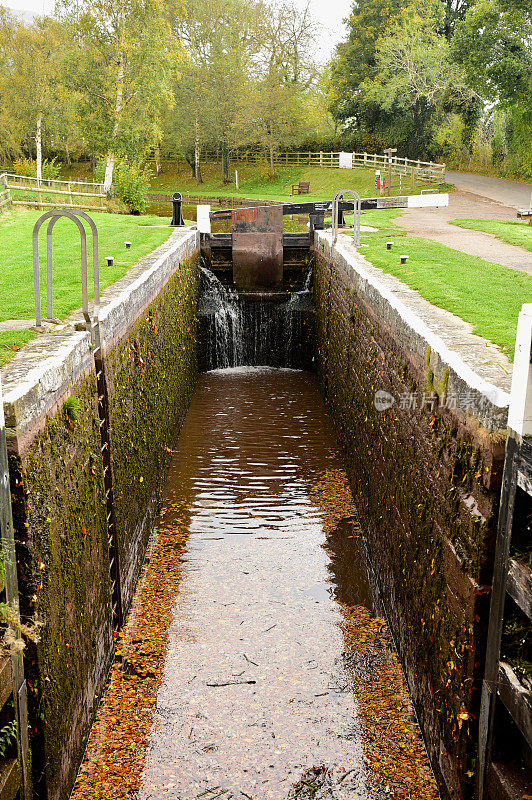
(120, 63)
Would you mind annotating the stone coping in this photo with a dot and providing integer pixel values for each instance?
(41, 375)
(475, 372)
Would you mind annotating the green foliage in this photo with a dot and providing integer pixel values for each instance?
(494, 45)
(8, 737)
(417, 76)
(117, 64)
(51, 169)
(72, 406)
(132, 184)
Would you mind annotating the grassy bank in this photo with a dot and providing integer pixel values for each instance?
(16, 263)
(488, 296)
(255, 182)
(509, 231)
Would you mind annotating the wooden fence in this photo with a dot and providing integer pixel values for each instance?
(47, 193)
(5, 194)
(420, 170)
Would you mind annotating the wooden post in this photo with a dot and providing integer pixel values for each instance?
(321, 158)
(389, 153)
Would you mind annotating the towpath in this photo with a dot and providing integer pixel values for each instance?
(433, 223)
(267, 673)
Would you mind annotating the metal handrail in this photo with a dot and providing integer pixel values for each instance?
(54, 216)
(356, 210)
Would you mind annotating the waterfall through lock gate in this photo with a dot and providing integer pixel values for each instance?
(253, 328)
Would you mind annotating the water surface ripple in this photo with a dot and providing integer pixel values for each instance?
(257, 696)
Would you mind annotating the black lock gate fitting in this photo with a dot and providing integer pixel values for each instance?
(177, 210)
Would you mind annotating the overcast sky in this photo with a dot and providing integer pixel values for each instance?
(328, 13)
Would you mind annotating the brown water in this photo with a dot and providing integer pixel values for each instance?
(252, 665)
(257, 690)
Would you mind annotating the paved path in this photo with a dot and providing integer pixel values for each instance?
(433, 223)
(508, 193)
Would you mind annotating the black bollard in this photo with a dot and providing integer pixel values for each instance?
(177, 212)
(341, 218)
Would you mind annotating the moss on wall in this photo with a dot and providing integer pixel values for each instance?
(151, 378)
(61, 528)
(60, 519)
(426, 491)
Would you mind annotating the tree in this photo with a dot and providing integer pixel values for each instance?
(10, 134)
(36, 80)
(355, 59)
(120, 65)
(272, 113)
(493, 44)
(414, 65)
(221, 39)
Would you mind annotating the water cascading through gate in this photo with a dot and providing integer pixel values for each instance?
(254, 328)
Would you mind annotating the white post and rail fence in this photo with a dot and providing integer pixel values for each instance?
(25, 190)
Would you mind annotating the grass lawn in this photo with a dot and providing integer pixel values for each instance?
(254, 181)
(489, 296)
(16, 263)
(509, 231)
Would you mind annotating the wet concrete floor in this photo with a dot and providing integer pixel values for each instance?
(257, 694)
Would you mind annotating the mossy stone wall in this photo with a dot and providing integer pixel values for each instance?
(60, 523)
(60, 517)
(151, 376)
(425, 481)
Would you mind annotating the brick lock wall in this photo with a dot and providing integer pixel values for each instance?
(426, 482)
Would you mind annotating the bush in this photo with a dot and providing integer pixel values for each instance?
(132, 185)
(27, 167)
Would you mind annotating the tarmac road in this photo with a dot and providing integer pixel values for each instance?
(508, 193)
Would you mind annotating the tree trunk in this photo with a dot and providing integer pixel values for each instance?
(197, 167)
(225, 163)
(192, 164)
(158, 167)
(109, 167)
(38, 145)
(272, 166)
(119, 105)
